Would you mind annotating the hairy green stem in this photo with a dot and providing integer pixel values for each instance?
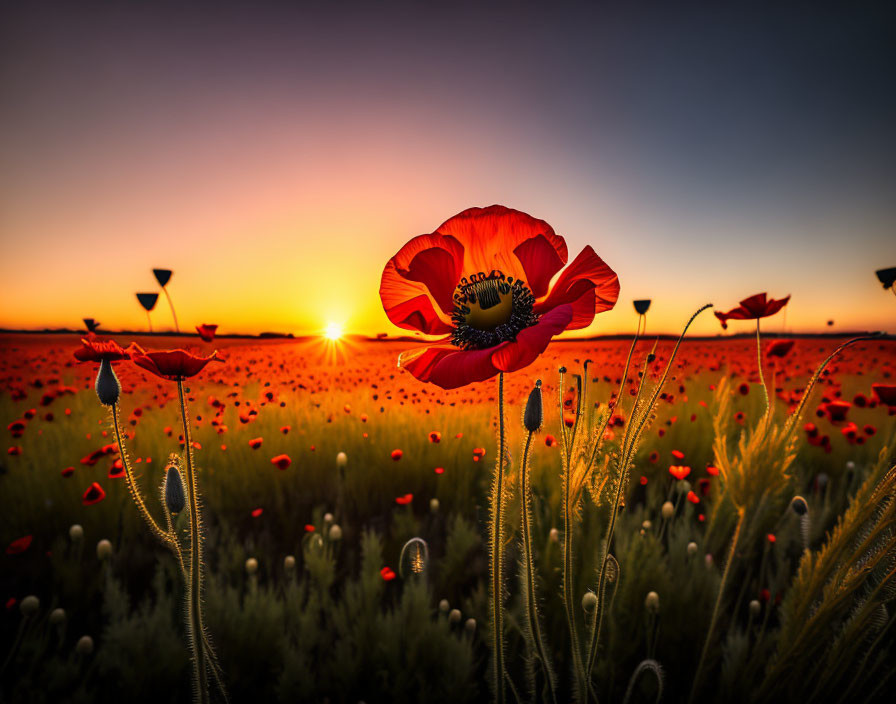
(497, 561)
(759, 365)
(194, 599)
(698, 675)
(529, 572)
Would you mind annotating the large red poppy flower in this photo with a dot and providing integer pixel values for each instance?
(94, 350)
(174, 365)
(752, 308)
(483, 279)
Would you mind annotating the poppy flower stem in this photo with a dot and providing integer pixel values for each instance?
(194, 596)
(173, 314)
(497, 561)
(759, 363)
(534, 634)
(698, 675)
(149, 320)
(165, 536)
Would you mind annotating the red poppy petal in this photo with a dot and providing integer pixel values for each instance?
(532, 341)
(754, 305)
(540, 260)
(490, 235)
(587, 274)
(450, 367)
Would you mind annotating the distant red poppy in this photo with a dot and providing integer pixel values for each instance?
(256, 512)
(483, 279)
(837, 410)
(435, 436)
(19, 545)
(778, 348)
(309, 527)
(174, 365)
(94, 350)
(693, 498)
(255, 443)
(387, 574)
(68, 471)
(206, 331)
(678, 454)
(93, 495)
(752, 308)
(397, 455)
(550, 441)
(712, 471)
(404, 500)
(281, 461)
(679, 471)
(885, 393)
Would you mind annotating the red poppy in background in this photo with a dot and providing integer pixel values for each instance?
(752, 308)
(885, 393)
(19, 545)
(281, 461)
(94, 350)
(174, 365)
(206, 331)
(93, 495)
(483, 279)
(778, 348)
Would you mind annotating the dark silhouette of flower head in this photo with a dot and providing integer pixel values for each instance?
(148, 300)
(483, 279)
(752, 308)
(206, 332)
(887, 276)
(163, 276)
(642, 305)
(91, 324)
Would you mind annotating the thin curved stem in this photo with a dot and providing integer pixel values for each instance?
(173, 314)
(497, 560)
(698, 676)
(529, 571)
(759, 364)
(149, 320)
(197, 636)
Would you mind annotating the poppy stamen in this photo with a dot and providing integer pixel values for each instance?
(490, 309)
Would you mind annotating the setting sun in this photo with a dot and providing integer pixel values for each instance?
(333, 331)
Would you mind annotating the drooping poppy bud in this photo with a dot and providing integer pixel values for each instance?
(533, 416)
(108, 388)
(174, 490)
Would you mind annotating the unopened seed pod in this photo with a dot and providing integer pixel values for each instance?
(799, 505)
(289, 563)
(328, 518)
(341, 460)
(554, 535)
(30, 604)
(444, 606)
(647, 525)
(174, 490)
(692, 549)
(589, 601)
(668, 510)
(84, 646)
(652, 602)
(57, 617)
(107, 386)
(533, 416)
(335, 532)
(434, 505)
(76, 532)
(104, 549)
(470, 626)
(454, 616)
(251, 566)
(755, 606)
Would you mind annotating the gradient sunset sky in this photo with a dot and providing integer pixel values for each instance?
(275, 158)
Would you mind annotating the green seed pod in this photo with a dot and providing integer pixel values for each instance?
(533, 416)
(108, 389)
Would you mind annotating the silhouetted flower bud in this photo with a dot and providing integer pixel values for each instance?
(799, 506)
(641, 306)
(174, 490)
(107, 387)
(84, 646)
(533, 416)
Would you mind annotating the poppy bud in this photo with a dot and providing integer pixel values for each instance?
(335, 533)
(642, 306)
(341, 460)
(289, 563)
(650, 357)
(444, 606)
(652, 602)
(76, 532)
(434, 505)
(108, 389)
(554, 535)
(103, 549)
(251, 566)
(755, 606)
(174, 490)
(57, 617)
(799, 506)
(84, 645)
(692, 549)
(30, 604)
(589, 601)
(533, 416)
(328, 518)
(470, 626)
(454, 616)
(668, 509)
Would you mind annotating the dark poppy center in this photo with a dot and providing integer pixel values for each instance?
(490, 309)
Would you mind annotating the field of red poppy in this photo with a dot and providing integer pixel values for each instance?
(319, 461)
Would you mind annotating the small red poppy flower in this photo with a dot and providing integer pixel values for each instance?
(678, 454)
(387, 574)
(173, 365)
(255, 443)
(643, 480)
(550, 441)
(67, 472)
(404, 500)
(885, 393)
(478, 453)
(206, 331)
(285, 429)
(653, 457)
(14, 450)
(281, 461)
(712, 471)
(256, 512)
(693, 498)
(679, 471)
(771, 538)
(19, 545)
(744, 389)
(93, 495)
(94, 350)
(778, 348)
(435, 436)
(752, 308)
(484, 280)
(396, 455)
(439, 470)
(309, 528)
(837, 410)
